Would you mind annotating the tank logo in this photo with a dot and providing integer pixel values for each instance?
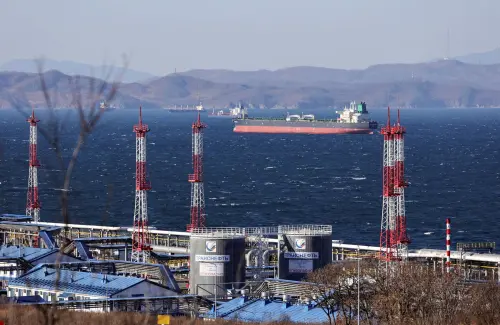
(211, 246)
(302, 255)
(212, 258)
(300, 243)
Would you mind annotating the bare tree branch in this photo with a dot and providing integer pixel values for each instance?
(89, 115)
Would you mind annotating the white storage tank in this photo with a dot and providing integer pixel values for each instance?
(217, 260)
(304, 248)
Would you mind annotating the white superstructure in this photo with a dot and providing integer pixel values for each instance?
(355, 113)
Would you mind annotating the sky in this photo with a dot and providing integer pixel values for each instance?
(160, 36)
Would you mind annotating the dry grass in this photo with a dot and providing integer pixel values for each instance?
(16, 315)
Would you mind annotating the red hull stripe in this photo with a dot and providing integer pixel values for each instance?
(306, 130)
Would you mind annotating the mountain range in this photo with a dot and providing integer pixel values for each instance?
(443, 83)
(75, 68)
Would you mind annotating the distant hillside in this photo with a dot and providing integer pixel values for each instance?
(489, 57)
(446, 83)
(20, 87)
(444, 71)
(74, 68)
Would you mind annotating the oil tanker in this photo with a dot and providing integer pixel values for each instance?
(236, 112)
(352, 120)
(197, 108)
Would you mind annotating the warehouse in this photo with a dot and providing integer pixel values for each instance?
(17, 260)
(76, 285)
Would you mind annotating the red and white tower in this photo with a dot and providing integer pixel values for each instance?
(33, 203)
(196, 178)
(141, 246)
(388, 229)
(399, 189)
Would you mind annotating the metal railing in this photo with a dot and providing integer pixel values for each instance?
(262, 231)
(218, 232)
(305, 230)
(476, 245)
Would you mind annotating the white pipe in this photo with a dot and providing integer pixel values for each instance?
(248, 256)
(166, 249)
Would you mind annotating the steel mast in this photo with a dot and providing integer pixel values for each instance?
(33, 202)
(388, 230)
(399, 188)
(141, 246)
(196, 178)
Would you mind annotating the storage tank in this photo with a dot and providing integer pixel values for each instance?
(217, 260)
(303, 249)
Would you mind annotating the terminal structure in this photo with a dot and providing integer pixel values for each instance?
(394, 239)
(141, 246)
(400, 184)
(197, 212)
(388, 230)
(33, 202)
(138, 268)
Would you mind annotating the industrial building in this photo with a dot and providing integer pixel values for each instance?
(57, 284)
(246, 273)
(17, 260)
(157, 273)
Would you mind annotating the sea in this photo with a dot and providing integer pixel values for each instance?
(452, 166)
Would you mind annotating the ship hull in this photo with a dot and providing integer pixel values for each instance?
(185, 110)
(221, 116)
(303, 127)
(302, 130)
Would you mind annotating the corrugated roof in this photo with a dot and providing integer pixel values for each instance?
(278, 287)
(42, 277)
(27, 253)
(15, 217)
(157, 271)
(259, 310)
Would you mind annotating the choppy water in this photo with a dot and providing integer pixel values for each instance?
(256, 179)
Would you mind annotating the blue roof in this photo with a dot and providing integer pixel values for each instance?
(260, 310)
(125, 299)
(42, 277)
(12, 217)
(27, 253)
